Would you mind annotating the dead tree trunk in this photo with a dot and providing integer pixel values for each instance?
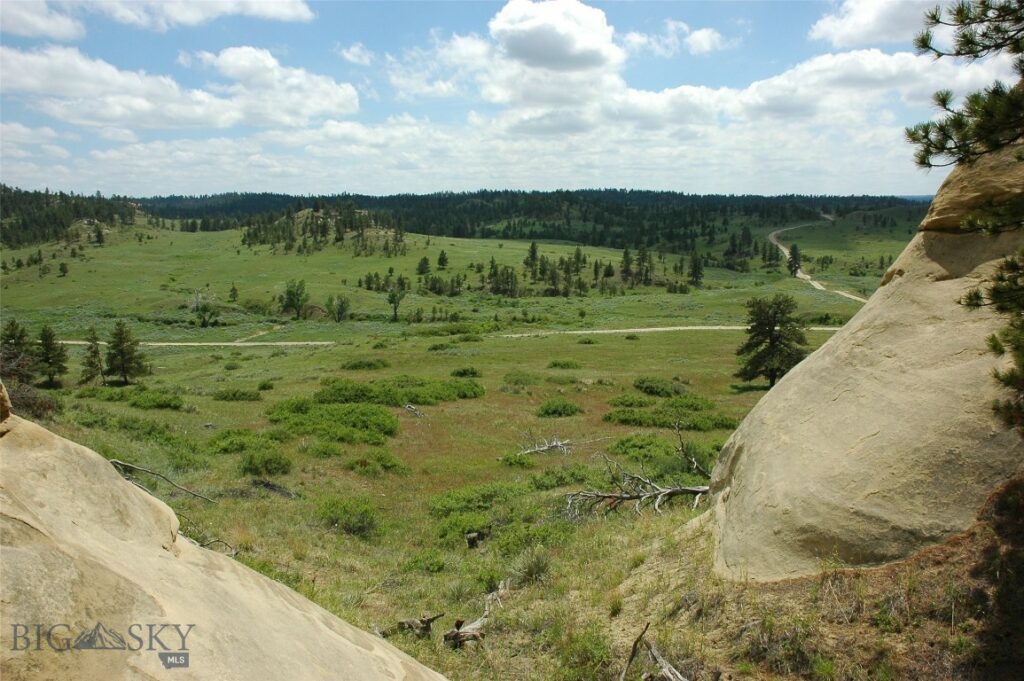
(641, 490)
(462, 633)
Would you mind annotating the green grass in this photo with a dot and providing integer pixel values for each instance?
(384, 497)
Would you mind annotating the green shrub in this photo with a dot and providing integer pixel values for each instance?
(557, 407)
(324, 450)
(235, 440)
(658, 387)
(473, 498)
(399, 391)
(237, 395)
(643, 447)
(265, 385)
(355, 516)
(430, 561)
(520, 378)
(658, 418)
(563, 364)
(467, 372)
(365, 364)
(632, 337)
(265, 462)
(353, 423)
(154, 399)
(587, 341)
(630, 400)
(375, 463)
(440, 347)
(518, 460)
(470, 338)
(232, 366)
(456, 526)
(552, 478)
(532, 566)
(562, 379)
(182, 460)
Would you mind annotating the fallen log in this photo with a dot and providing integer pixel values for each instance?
(473, 632)
(418, 626)
(641, 490)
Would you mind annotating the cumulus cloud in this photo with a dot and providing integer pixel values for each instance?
(35, 18)
(869, 22)
(560, 35)
(70, 86)
(355, 53)
(705, 40)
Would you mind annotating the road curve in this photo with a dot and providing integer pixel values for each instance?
(774, 238)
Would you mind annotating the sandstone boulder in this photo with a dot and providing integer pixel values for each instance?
(84, 548)
(883, 440)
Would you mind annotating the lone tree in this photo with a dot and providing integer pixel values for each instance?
(124, 358)
(92, 362)
(775, 339)
(424, 266)
(442, 260)
(988, 120)
(793, 263)
(338, 308)
(51, 356)
(696, 277)
(294, 297)
(395, 296)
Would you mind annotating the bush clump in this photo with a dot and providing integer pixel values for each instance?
(630, 400)
(235, 440)
(473, 498)
(658, 387)
(553, 478)
(587, 341)
(520, 378)
(366, 364)
(643, 447)
(352, 423)
(563, 364)
(139, 397)
(557, 407)
(264, 462)
(355, 516)
(375, 463)
(467, 372)
(237, 395)
(324, 450)
(398, 391)
(265, 385)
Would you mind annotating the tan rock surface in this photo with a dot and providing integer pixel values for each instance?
(80, 545)
(995, 177)
(883, 440)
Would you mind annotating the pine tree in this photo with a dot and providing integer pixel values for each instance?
(696, 277)
(442, 260)
(233, 293)
(775, 339)
(51, 356)
(92, 362)
(990, 119)
(793, 263)
(423, 267)
(124, 358)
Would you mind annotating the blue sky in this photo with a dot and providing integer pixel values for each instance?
(141, 98)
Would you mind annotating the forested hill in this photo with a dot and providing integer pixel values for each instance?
(29, 217)
(606, 217)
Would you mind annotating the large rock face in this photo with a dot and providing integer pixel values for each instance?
(84, 548)
(883, 440)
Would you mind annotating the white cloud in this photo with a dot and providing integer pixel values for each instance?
(35, 18)
(18, 133)
(561, 35)
(705, 40)
(70, 86)
(55, 150)
(355, 53)
(161, 15)
(870, 22)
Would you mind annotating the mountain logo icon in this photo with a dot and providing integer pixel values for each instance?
(100, 638)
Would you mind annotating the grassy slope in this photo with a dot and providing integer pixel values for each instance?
(408, 570)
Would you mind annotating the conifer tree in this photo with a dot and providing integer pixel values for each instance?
(775, 339)
(124, 358)
(51, 356)
(92, 362)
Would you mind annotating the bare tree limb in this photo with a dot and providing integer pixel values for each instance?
(668, 672)
(419, 626)
(630, 487)
(131, 466)
(633, 651)
(463, 633)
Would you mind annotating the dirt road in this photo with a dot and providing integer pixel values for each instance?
(774, 238)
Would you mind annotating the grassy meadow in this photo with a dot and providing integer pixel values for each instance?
(325, 481)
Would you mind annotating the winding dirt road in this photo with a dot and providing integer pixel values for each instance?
(774, 238)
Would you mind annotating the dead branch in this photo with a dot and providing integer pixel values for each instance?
(697, 468)
(122, 464)
(414, 411)
(462, 633)
(633, 651)
(667, 671)
(274, 487)
(629, 487)
(419, 626)
(552, 445)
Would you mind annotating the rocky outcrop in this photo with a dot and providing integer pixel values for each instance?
(883, 440)
(89, 552)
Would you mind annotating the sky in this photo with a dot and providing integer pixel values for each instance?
(142, 98)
